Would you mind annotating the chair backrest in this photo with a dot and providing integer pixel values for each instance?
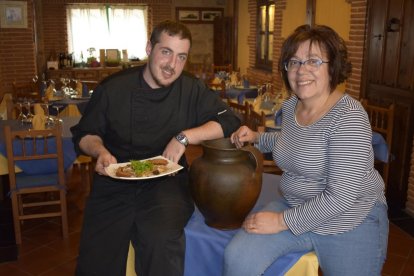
(26, 91)
(257, 122)
(41, 148)
(4, 112)
(226, 68)
(255, 119)
(12, 109)
(220, 88)
(241, 110)
(381, 119)
(90, 84)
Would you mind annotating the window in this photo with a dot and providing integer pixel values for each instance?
(265, 26)
(107, 27)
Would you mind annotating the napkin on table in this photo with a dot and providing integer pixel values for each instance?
(79, 88)
(216, 80)
(49, 92)
(37, 108)
(234, 79)
(39, 119)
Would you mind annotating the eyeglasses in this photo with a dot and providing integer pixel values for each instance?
(311, 64)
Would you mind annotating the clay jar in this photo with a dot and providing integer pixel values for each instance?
(225, 182)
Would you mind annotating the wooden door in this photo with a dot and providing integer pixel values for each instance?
(223, 41)
(389, 78)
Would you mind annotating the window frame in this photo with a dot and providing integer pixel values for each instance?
(263, 63)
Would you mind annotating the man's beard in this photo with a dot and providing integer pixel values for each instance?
(164, 68)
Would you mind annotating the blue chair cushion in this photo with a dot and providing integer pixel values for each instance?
(29, 181)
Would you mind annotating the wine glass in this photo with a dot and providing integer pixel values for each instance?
(49, 119)
(65, 88)
(29, 115)
(21, 117)
(57, 119)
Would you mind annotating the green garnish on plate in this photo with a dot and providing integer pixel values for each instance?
(141, 167)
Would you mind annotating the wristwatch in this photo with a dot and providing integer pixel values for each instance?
(182, 138)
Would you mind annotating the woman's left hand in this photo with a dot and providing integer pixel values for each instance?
(264, 223)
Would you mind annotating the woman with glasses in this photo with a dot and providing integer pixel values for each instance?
(333, 198)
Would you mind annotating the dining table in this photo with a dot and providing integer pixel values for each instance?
(29, 166)
(241, 92)
(205, 245)
(68, 107)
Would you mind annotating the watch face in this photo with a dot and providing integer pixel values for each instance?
(182, 139)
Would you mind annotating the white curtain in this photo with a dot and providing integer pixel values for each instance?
(107, 27)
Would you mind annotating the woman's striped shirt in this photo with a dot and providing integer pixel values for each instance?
(328, 177)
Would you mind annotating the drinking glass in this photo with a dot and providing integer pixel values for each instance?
(29, 115)
(21, 117)
(57, 119)
(65, 88)
(49, 119)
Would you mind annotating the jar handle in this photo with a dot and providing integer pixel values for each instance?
(257, 157)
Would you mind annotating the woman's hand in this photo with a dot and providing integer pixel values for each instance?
(242, 135)
(265, 223)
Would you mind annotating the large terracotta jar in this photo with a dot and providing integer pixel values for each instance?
(225, 182)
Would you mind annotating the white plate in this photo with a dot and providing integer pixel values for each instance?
(171, 168)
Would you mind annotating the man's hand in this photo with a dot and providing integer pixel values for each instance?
(174, 150)
(93, 146)
(104, 160)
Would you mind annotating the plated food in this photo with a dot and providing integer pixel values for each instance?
(143, 169)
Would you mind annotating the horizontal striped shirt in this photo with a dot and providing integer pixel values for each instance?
(329, 179)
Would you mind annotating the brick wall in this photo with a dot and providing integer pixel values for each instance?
(17, 53)
(22, 57)
(356, 45)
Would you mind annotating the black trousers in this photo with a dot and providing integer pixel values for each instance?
(152, 214)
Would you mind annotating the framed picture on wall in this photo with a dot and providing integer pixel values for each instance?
(209, 15)
(188, 15)
(13, 14)
(198, 15)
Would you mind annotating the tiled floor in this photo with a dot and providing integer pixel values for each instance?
(44, 252)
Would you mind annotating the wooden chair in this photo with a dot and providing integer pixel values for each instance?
(4, 106)
(255, 119)
(382, 121)
(12, 109)
(226, 68)
(91, 84)
(26, 91)
(241, 110)
(257, 122)
(37, 194)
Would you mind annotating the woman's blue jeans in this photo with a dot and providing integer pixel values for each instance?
(361, 251)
